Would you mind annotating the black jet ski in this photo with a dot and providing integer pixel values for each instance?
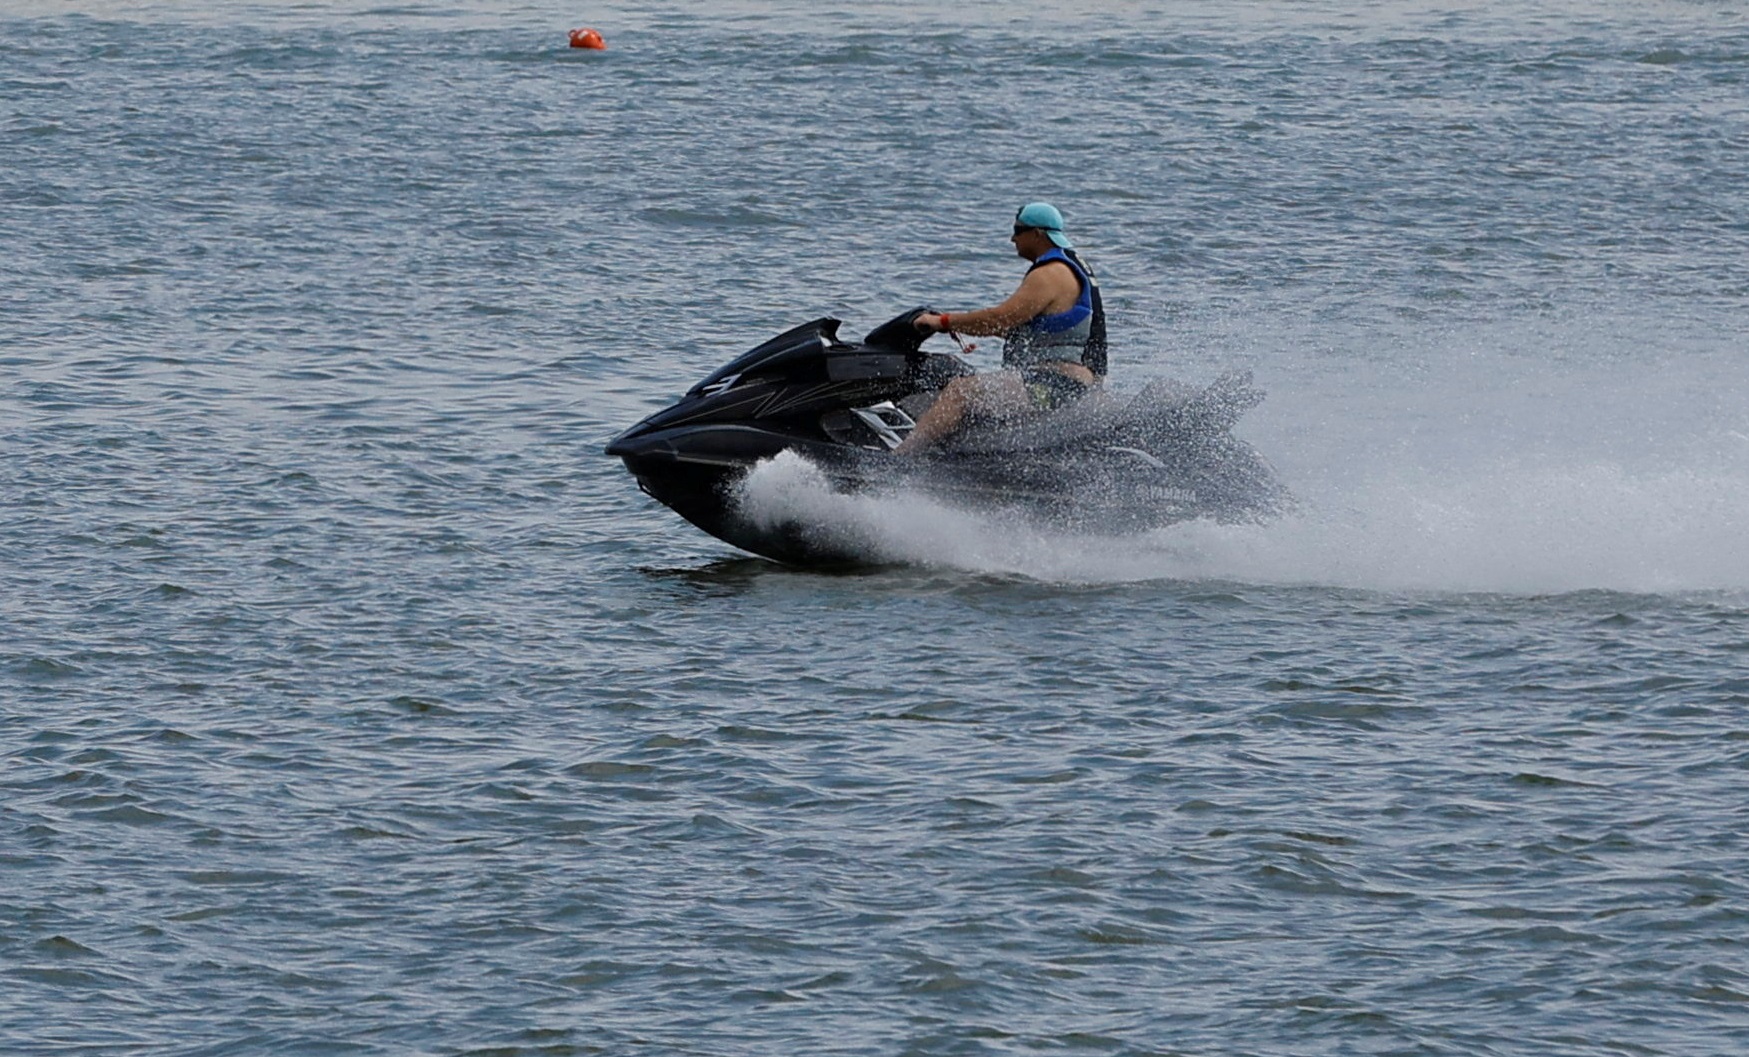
(1107, 462)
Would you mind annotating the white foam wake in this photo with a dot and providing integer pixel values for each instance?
(1507, 528)
(1521, 456)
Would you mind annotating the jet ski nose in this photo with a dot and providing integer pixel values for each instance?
(633, 441)
(633, 444)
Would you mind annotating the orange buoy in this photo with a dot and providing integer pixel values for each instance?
(587, 38)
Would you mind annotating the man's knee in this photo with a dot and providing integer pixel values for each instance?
(995, 393)
(966, 386)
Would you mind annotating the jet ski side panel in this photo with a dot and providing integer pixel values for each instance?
(703, 491)
(783, 354)
(766, 402)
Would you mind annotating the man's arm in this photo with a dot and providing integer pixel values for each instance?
(1041, 289)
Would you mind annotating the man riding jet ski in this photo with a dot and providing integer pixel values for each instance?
(1104, 462)
(881, 414)
(1053, 329)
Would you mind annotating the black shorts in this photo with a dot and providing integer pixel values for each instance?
(1049, 389)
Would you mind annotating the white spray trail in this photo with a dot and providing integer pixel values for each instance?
(1487, 471)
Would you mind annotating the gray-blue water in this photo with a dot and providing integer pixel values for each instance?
(352, 702)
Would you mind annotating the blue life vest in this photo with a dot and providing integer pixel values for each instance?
(1076, 334)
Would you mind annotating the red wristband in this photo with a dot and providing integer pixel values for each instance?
(945, 326)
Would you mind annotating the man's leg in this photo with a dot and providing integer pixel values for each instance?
(999, 395)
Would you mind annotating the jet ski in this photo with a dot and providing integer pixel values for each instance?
(1106, 462)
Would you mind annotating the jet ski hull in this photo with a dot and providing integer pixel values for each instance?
(698, 474)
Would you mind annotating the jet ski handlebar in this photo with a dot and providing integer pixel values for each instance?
(900, 333)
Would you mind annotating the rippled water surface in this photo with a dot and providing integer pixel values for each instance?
(352, 702)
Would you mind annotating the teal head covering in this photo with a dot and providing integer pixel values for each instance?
(1044, 216)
